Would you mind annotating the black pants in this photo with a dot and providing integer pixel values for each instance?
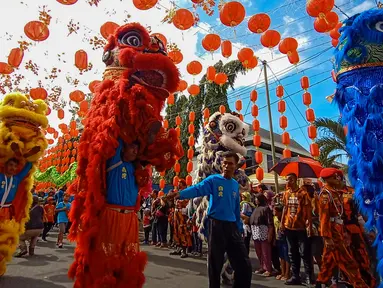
(197, 243)
(275, 258)
(47, 227)
(147, 232)
(247, 242)
(154, 231)
(299, 247)
(162, 226)
(225, 237)
(171, 233)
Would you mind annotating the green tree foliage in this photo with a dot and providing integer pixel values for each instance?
(211, 96)
(332, 143)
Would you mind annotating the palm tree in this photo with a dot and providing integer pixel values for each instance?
(332, 143)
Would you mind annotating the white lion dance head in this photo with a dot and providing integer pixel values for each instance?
(224, 132)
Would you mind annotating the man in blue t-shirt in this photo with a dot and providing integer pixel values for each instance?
(62, 210)
(225, 225)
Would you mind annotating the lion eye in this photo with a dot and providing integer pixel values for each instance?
(130, 38)
(230, 127)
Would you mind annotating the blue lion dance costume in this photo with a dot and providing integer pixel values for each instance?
(359, 96)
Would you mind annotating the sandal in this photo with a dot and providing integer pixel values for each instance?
(284, 278)
(278, 277)
(266, 274)
(260, 271)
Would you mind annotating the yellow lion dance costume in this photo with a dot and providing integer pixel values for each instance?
(21, 139)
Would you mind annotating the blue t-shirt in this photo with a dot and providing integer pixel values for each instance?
(15, 183)
(62, 216)
(224, 202)
(121, 184)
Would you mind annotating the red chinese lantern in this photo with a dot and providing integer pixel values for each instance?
(5, 68)
(60, 114)
(317, 7)
(314, 149)
(194, 68)
(211, 42)
(307, 98)
(183, 19)
(220, 79)
(232, 13)
(48, 111)
(288, 45)
(15, 57)
(92, 85)
(81, 60)
(253, 95)
(144, 4)
(270, 38)
(210, 74)
(279, 91)
(193, 90)
(176, 56)
(182, 86)
(67, 2)
(334, 42)
(170, 100)
(245, 54)
(36, 31)
(251, 64)
(222, 109)
(84, 106)
(226, 48)
(259, 174)
(238, 105)
(77, 96)
(305, 82)
(108, 28)
(38, 93)
(293, 58)
(259, 23)
(165, 124)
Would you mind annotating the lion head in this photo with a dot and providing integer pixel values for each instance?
(18, 110)
(142, 59)
(226, 132)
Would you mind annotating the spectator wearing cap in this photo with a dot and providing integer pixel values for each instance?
(335, 253)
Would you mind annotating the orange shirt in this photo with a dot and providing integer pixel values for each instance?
(330, 207)
(298, 209)
(49, 210)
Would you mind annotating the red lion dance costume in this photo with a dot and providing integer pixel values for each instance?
(125, 109)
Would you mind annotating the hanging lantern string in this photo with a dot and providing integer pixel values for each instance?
(217, 104)
(255, 87)
(288, 106)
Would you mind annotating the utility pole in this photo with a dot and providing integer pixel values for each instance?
(270, 123)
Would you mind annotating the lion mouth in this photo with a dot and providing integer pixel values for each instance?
(19, 121)
(240, 141)
(153, 80)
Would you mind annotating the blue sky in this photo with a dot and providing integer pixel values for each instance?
(288, 17)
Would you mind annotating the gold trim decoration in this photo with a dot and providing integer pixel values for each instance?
(114, 73)
(366, 65)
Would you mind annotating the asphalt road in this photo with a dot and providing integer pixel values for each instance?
(48, 269)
